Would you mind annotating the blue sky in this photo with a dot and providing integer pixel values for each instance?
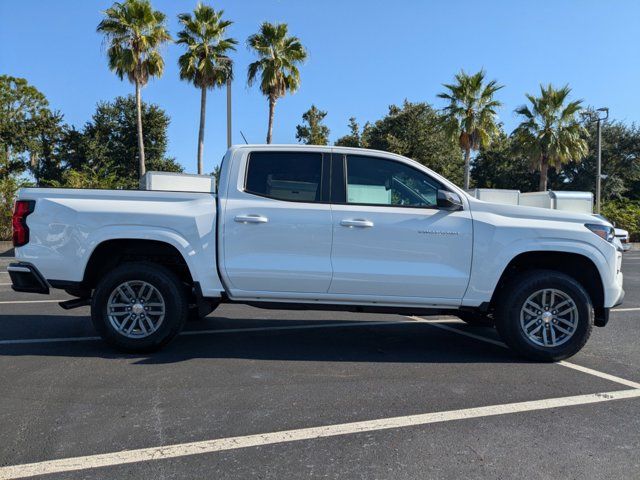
(363, 56)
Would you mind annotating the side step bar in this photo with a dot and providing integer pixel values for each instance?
(75, 303)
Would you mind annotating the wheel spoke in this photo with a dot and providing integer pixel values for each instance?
(553, 334)
(132, 326)
(149, 322)
(564, 312)
(565, 321)
(534, 305)
(124, 322)
(142, 289)
(124, 294)
(562, 304)
(563, 330)
(130, 292)
(535, 330)
(142, 326)
(544, 336)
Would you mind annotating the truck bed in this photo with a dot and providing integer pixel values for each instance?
(68, 224)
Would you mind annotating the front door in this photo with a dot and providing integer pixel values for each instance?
(391, 240)
(277, 226)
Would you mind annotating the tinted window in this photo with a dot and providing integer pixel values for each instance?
(289, 176)
(376, 181)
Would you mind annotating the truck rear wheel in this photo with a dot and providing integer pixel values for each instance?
(545, 315)
(139, 307)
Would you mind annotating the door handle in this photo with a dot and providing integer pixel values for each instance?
(251, 219)
(357, 222)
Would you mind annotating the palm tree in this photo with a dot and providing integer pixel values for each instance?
(205, 63)
(471, 113)
(134, 32)
(279, 55)
(550, 134)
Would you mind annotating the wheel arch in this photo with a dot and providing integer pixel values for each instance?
(578, 266)
(112, 252)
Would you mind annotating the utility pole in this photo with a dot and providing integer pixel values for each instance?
(600, 115)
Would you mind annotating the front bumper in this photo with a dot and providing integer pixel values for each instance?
(26, 278)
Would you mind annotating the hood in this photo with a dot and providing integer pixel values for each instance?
(517, 211)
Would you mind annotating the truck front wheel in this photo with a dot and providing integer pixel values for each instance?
(545, 315)
(139, 307)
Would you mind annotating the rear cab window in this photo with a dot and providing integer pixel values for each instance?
(290, 176)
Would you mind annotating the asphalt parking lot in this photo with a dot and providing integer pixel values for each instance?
(251, 393)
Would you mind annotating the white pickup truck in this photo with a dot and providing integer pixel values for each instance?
(320, 228)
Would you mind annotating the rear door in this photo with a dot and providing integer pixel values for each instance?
(390, 239)
(277, 224)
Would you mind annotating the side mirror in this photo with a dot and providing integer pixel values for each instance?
(449, 200)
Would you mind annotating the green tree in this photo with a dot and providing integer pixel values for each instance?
(314, 132)
(135, 32)
(471, 113)
(353, 138)
(625, 214)
(501, 165)
(550, 134)
(620, 163)
(104, 152)
(416, 130)
(23, 110)
(205, 63)
(279, 56)
(23, 115)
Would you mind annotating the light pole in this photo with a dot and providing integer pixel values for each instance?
(600, 115)
(228, 111)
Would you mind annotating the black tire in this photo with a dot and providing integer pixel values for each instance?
(477, 319)
(512, 300)
(165, 282)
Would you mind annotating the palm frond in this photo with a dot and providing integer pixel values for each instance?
(278, 58)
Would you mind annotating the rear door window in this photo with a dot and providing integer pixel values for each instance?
(290, 176)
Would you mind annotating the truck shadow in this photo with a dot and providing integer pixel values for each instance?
(399, 343)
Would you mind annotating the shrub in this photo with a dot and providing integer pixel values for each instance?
(625, 214)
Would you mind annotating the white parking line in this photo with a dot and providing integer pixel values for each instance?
(597, 373)
(630, 309)
(344, 324)
(232, 443)
(589, 371)
(9, 302)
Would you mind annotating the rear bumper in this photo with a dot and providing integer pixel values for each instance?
(26, 278)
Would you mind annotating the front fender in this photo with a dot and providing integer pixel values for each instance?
(488, 267)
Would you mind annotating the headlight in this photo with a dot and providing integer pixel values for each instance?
(605, 232)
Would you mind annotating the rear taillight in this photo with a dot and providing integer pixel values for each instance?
(20, 229)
